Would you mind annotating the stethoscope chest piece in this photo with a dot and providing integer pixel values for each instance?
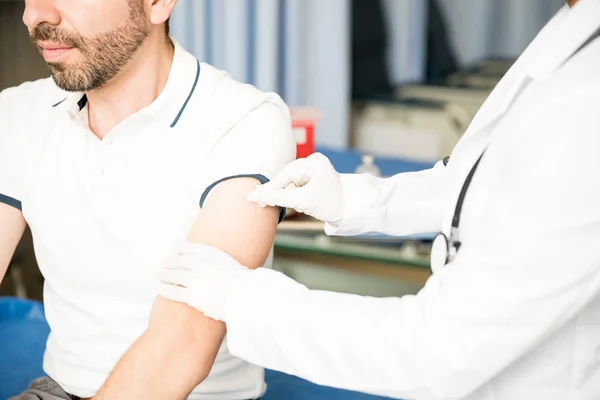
(440, 249)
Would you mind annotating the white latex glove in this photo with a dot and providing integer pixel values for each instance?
(309, 185)
(204, 277)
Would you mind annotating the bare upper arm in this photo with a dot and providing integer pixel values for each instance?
(226, 219)
(179, 334)
(242, 229)
(229, 222)
(257, 146)
(12, 226)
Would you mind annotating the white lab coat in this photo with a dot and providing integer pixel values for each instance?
(517, 314)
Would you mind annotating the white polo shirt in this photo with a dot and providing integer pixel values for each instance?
(105, 213)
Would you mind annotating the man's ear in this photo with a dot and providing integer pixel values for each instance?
(160, 10)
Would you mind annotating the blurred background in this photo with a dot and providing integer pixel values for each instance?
(395, 84)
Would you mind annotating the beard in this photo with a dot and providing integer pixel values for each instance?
(102, 56)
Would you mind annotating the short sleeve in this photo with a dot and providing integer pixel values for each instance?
(258, 146)
(10, 152)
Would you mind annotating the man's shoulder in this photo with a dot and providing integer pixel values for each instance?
(221, 103)
(225, 93)
(31, 96)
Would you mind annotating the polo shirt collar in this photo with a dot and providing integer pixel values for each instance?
(170, 104)
(73, 102)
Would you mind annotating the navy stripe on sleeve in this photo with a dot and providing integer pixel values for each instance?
(261, 178)
(11, 202)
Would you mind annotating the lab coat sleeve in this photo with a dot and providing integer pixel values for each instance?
(404, 204)
(531, 266)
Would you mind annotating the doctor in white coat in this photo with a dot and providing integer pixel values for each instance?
(512, 310)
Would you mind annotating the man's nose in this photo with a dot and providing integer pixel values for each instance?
(39, 11)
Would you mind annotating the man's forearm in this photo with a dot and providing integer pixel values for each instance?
(172, 356)
(12, 225)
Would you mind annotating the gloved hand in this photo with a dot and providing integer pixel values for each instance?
(204, 277)
(309, 185)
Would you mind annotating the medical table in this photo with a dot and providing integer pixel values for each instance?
(419, 122)
(458, 100)
(408, 128)
(484, 75)
(494, 66)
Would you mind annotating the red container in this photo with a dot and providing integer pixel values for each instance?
(304, 121)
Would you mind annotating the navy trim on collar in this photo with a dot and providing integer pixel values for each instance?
(60, 102)
(189, 96)
(82, 102)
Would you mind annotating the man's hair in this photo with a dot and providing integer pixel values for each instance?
(167, 27)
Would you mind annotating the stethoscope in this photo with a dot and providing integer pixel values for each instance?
(444, 248)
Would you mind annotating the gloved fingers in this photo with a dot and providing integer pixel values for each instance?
(293, 172)
(173, 261)
(290, 198)
(256, 196)
(179, 277)
(192, 248)
(280, 180)
(187, 262)
(190, 255)
(173, 292)
(316, 163)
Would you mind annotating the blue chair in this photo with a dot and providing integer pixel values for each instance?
(286, 387)
(23, 333)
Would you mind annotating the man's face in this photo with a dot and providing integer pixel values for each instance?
(86, 43)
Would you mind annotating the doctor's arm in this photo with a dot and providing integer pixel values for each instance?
(404, 204)
(352, 204)
(530, 265)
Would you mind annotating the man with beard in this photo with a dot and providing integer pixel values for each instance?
(132, 147)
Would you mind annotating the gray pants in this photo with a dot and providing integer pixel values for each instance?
(43, 389)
